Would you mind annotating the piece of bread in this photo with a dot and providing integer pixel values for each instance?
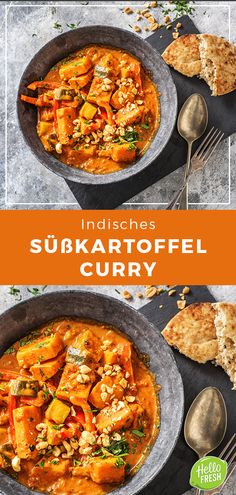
(184, 55)
(225, 324)
(207, 56)
(192, 332)
(218, 60)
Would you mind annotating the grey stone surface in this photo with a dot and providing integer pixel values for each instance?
(221, 293)
(29, 184)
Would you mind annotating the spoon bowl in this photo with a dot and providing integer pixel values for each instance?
(192, 123)
(206, 422)
(193, 118)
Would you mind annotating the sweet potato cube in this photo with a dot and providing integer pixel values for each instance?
(82, 153)
(69, 384)
(79, 82)
(75, 67)
(65, 118)
(112, 389)
(45, 128)
(114, 420)
(3, 435)
(57, 411)
(82, 471)
(109, 470)
(97, 93)
(40, 350)
(46, 370)
(132, 70)
(26, 419)
(118, 102)
(47, 469)
(110, 357)
(88, 111)
(123, 153)
(128, 117)
(138, 413)
(53, 435)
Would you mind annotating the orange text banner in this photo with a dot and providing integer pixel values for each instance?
(117, 247)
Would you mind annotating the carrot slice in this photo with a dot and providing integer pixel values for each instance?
(12, 405)
(6, 375)
(29, 99)
(43, 84)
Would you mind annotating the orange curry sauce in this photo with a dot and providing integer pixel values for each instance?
(98, 111)
(78, 408)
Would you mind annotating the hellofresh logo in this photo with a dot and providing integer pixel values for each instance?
(208, 473)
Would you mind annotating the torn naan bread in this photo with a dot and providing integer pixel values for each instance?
(225, 324)
(192, 332)
(218, 61)
(210, 57)
(184, 55)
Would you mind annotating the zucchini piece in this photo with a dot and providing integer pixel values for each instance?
(27, 388)
(86, 349)
(64, 93)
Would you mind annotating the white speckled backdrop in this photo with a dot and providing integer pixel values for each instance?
(26, 183)
(221, 293)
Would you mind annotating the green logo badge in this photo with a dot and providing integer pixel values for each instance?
(208, 473)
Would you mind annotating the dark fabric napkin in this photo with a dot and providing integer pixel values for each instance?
(221, 115)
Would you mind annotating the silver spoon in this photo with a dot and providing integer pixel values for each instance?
(191, 124)
(206, 423)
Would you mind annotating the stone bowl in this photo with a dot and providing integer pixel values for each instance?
(59, 48)
(28, 315)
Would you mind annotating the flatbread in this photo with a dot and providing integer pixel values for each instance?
(192, 332)
(183, 55)
(207, 56)
(218, 60)
(225, 324)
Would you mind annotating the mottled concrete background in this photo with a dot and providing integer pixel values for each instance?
(221, 293)
(29, 184)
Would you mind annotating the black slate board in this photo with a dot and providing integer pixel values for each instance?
(174, 478)
(221, 115)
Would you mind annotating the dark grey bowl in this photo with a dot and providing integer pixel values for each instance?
(19, 320)
(61, 47)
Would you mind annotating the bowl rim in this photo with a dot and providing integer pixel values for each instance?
(85, 177)
(131, 310)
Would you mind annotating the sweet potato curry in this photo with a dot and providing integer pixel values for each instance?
(97, 109)
(78, 408)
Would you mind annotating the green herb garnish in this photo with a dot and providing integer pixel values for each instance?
(131, 136)
(181, 7)
(119, 462)
(138, 433)
(72, 25)
(56, 25)
(58, 427)
(14, 291)
(145, 126)
(10, 350)
(35, 291)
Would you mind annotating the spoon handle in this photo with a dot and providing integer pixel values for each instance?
(183, 202)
